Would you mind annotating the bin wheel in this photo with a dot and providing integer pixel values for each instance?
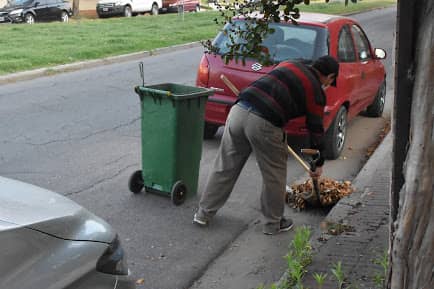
(179, 193)
(135, 183)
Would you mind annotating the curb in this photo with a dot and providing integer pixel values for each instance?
(47, 71)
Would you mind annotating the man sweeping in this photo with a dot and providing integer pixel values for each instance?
(256, 124)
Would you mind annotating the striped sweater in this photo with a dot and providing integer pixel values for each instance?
(289, 91)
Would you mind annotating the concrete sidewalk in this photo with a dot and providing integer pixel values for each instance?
(365, 215)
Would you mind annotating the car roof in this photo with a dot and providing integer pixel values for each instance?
(317, 17)
(305, 17)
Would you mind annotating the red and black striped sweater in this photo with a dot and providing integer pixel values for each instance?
(289, 91)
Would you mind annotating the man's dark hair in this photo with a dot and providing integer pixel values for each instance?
(327, 65)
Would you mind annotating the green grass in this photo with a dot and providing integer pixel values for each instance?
(25, 47)
(340, 8)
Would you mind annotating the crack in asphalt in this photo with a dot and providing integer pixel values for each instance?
(100, 181)
(86, 136)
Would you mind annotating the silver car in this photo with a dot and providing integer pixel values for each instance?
(48, 241)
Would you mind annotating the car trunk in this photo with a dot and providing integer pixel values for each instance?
(240, 75)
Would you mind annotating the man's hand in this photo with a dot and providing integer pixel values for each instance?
(317, 173)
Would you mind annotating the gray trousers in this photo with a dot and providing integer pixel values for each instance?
(246, 132)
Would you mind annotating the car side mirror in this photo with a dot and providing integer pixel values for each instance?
(380, 53)
(36, 4)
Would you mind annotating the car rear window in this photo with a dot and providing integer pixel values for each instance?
(287, 42)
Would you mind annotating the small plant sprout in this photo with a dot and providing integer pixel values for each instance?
(383, 261)
(320, 279)
(338, 274)
(301, 245)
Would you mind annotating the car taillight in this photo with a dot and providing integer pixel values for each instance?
(203, 72)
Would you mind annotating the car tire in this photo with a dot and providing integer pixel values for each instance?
(127, 11)
(154, 9)
(375, 109)
(209, 130)
(64, 17)
(336, 135)
(29, 18)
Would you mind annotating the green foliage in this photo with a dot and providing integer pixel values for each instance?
(247, 42)
(301, 245)
(338, 274)
(380, 278)
(299, 255)
(320, 279)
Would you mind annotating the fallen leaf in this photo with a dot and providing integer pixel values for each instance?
(140, 281)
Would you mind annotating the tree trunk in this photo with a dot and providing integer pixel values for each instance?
(412, 247)
(75, 7)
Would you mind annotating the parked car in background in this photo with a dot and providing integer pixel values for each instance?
(31, 11)
(186, 5)
(361, 85)
(127, 8)
(49, 241)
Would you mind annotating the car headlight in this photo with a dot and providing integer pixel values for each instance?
(113, 261)
(16, 12)
(118, 3)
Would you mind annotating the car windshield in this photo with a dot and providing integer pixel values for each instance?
(301, 42)
(17, 2)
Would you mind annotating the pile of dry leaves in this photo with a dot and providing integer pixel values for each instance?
(331, 191)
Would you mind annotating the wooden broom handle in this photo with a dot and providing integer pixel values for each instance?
(230, 84)
(300, 160)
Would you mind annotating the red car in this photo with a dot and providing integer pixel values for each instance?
(361, 85)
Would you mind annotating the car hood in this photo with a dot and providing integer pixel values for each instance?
(25, 205)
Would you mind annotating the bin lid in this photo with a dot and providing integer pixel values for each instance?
(173, 91)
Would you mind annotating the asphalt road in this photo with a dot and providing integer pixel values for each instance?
(78, 133)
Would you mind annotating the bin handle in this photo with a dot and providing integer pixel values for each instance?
(142, 74)
(154, 91)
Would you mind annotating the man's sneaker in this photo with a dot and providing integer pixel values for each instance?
(199, 220)
(284, 226)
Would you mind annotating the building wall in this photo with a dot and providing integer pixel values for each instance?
(87, 4)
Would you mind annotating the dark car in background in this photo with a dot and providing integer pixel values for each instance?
(31, 11)
(361, 84)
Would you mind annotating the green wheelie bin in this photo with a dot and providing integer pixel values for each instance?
(172, 121)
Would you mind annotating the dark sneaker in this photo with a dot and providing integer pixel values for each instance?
(284, 226)
(198, 220)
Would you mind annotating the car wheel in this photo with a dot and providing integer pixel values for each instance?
(377, 106)
(209, 130)
(127, 11)
(64, 17)
(336, 135)
(29, 18)
(154, 10)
